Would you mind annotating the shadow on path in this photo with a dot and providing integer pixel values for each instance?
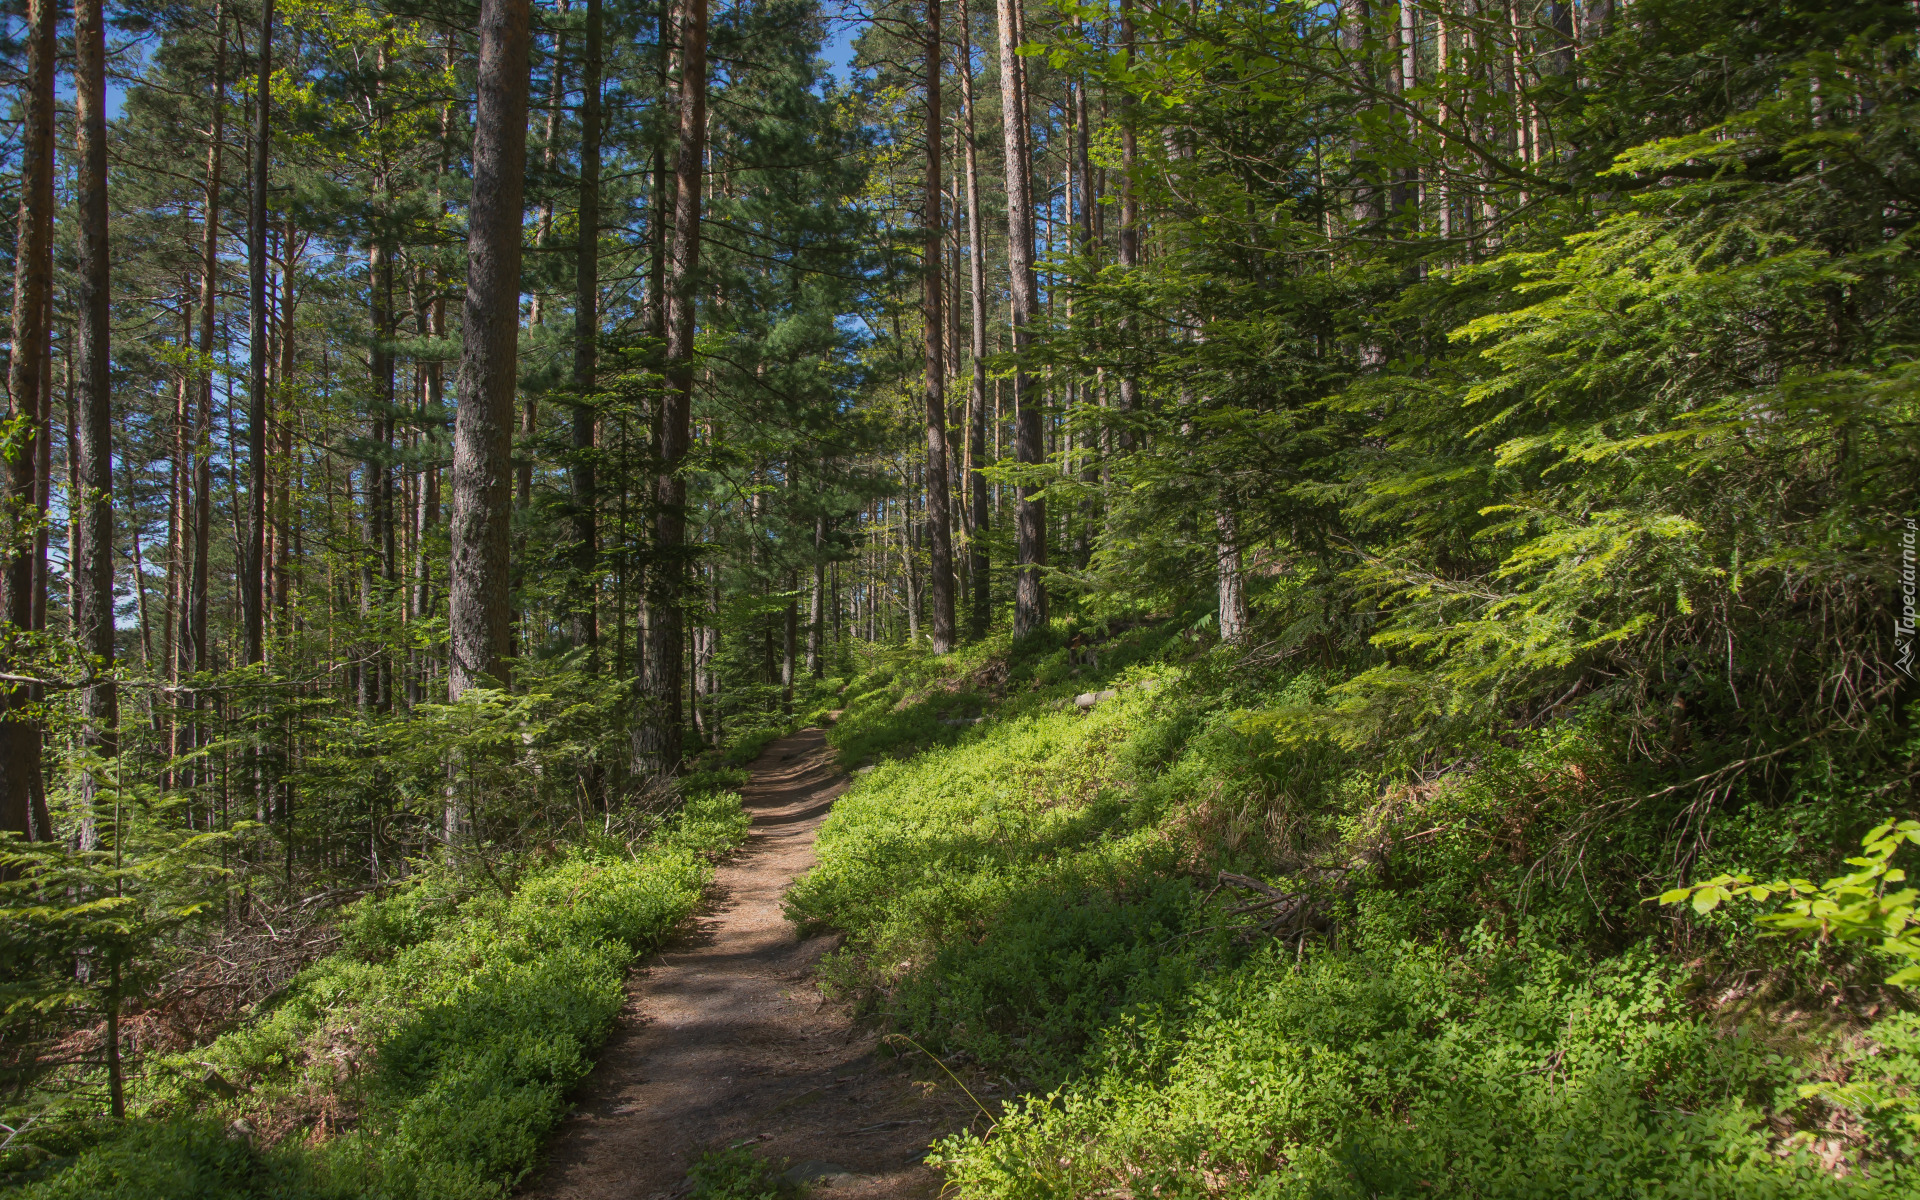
(725, 1038)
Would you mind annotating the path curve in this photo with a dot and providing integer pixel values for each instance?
(725, 1037)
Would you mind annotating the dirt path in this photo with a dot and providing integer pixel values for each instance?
(725, 1038)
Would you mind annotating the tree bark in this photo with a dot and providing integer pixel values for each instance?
(586, 334)
(657, 735)
(1229, 578)
(194, 654)
(1127, 247)
(478, 614)
(939, 527)
(815, 598)
(253, 562)
(26, 374)
(980, 611)
(1030, 518)
(93, 520)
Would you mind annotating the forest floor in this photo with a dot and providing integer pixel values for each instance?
(726, 1040)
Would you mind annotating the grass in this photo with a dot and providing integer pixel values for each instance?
(1470, 1012)
(430, 1057)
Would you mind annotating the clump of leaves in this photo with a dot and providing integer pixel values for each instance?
(736, 1173)
(1855, 907)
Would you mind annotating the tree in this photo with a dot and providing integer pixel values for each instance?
(657, 736)
(93, 525)
(479, 608)
(586, 337)
(1030, 514)
(253, 565)
(939, 519)
(21, 809)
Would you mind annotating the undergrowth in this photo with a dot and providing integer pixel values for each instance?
(1465, 995)
(428, 1059)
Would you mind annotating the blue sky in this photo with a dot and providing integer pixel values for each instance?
(841, 30)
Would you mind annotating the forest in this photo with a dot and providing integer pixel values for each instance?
(1355, 555)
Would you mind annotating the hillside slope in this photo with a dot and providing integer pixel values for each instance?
(1213, 951)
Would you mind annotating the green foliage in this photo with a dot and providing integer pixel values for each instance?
(431, 1055)
(1480, 1007)
(1405, 1070)
(188, 1158)
(1855, 907)
(737, 1173)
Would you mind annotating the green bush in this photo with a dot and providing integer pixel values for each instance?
(1483, 1005)
(1407, 1070)
(429, 1058)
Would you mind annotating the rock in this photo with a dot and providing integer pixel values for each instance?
(821, 1175)
(1089, 699)
(240, 1131)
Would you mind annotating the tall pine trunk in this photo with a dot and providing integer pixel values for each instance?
(478, 614)
(194, 655)
(1030, 515)
(1127, 248)
(816, 596)
(939, 526)
(657, 735)
(93, 520)
(980, 610)
(586, 334)
(253, 562)
(26, 374)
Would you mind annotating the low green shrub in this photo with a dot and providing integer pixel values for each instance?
(1410, 1071)
(737, 1173)
(1481, 1005)
(430, 1056)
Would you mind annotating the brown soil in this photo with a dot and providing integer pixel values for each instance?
(726, 1040)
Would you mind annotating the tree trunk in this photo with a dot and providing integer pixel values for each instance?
(586, 334)
(1127, 251)
(790, 629)
(92, 524)
(1030, 520)
(1229, 578)
(32, 283)
(939, 527)
(816, 597)
(478, 614)
(379, 472)
(657, 736)
(981, 609)
(253, 561)
(195, 644)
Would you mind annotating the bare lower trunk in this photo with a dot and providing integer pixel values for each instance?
(980, 610)
(790, 629)
(1127, 252)
(939, 526)
(1230, 580)
(816, 597)
(32, 282)
(1030, 518)
(92, 526)
(253, 562)
(586, 333)
(194, 655)
(478, 613)
(657, 735)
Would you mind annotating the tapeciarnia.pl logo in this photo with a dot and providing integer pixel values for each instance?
(1903, 620)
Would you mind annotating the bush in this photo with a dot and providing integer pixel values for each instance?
(1405, 1070)
(1482, 1004)
(428, 1059)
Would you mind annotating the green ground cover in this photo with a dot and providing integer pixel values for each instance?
(1472, 999)
(431, 1055)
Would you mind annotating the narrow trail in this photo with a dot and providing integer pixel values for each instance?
(725, 1038)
